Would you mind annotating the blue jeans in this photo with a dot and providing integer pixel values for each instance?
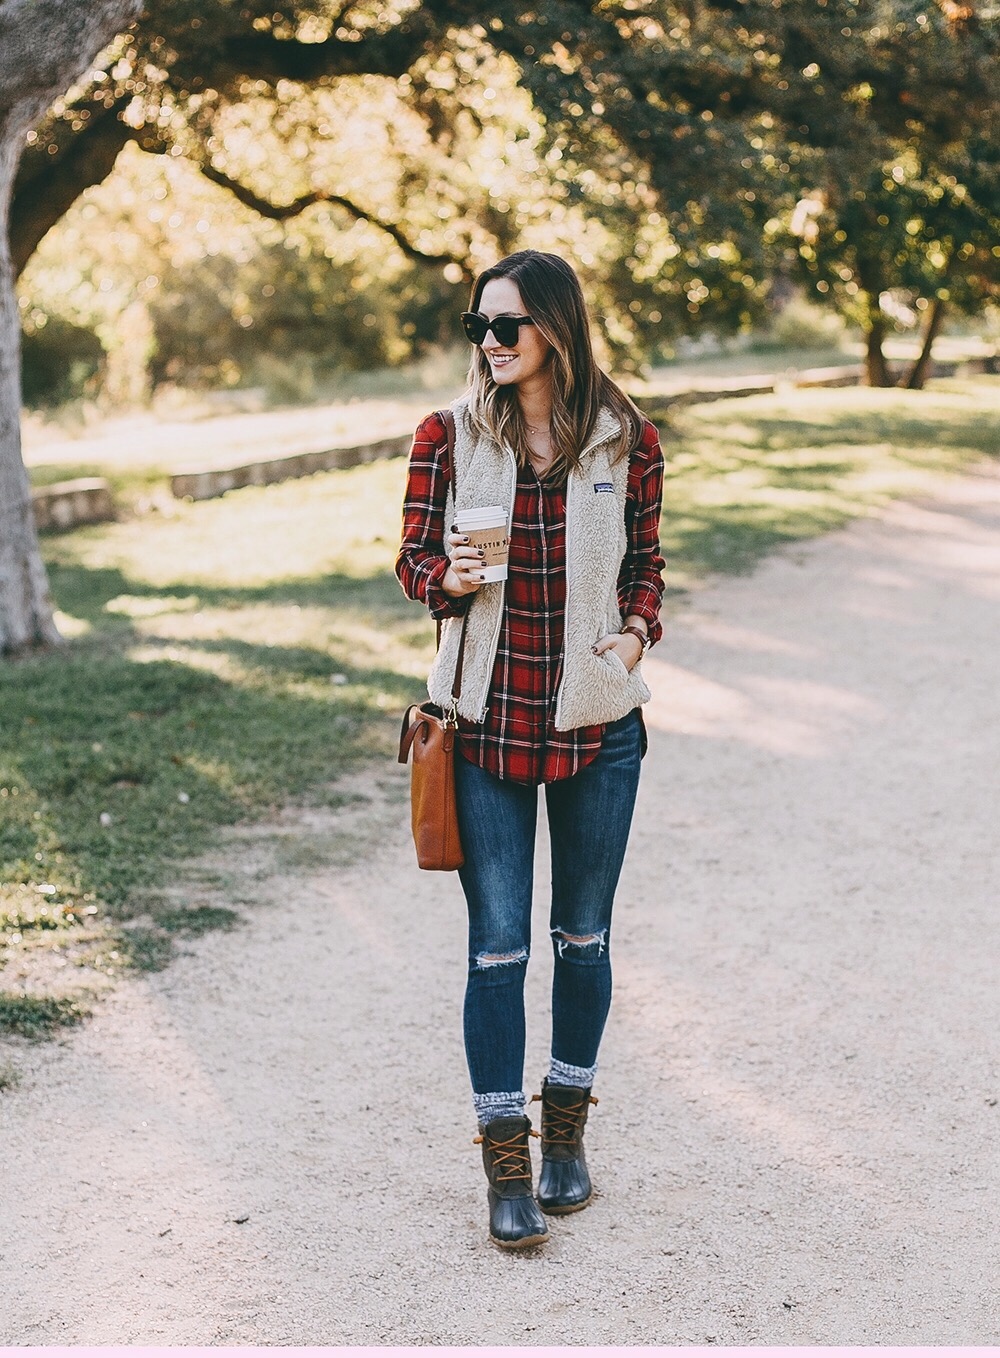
(589, 819)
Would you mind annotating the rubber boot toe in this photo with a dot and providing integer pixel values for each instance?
(564, 1186)
(516, 1223)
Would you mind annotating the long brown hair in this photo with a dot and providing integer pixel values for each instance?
(552, 296)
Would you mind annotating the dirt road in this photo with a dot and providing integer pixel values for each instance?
(270, 1143)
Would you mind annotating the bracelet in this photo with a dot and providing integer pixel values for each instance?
(637, 632)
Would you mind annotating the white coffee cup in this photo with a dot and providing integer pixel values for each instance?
(487, 529)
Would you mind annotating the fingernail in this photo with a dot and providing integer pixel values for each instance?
(481, 553)
(594, 649)
(453, 528)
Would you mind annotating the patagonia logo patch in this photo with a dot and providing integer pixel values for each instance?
(604, 487)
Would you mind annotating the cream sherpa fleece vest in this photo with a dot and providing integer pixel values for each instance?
(593, 688)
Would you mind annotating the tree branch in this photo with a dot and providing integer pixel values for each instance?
(47, 185)
(281, 212)
(261, 56)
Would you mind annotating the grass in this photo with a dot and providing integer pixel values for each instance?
(231, 656)
(747, 476)
(224, 659)
(37, 1016)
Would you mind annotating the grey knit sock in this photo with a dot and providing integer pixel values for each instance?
(562, 1073)
(504, 1104)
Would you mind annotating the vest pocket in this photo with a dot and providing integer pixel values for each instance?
(617, 663)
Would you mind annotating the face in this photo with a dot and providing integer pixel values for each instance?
(528, 358)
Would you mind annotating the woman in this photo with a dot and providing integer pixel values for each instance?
(550, 693)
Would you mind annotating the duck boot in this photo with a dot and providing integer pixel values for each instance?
(564, 1183)
(515, 1221)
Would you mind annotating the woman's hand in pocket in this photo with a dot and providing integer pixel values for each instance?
(626, 646)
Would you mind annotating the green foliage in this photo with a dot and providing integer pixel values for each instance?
(853, 140)
(184, 287)
(802, 325)
(59, 360)
(446, 160)
(216, 323)
(684, 156)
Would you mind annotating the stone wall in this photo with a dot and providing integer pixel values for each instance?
(70, 503)
(203, 485)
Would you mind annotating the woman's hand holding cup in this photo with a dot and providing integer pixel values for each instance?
(477, 549)
(465, 574)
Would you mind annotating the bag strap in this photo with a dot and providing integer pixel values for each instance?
(407, 731)
(447, 418)
(456, 688)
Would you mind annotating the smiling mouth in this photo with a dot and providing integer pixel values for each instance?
(501, 359)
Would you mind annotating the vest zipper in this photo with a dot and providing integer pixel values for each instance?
(562, 678)
(570, 481)
(503, 586)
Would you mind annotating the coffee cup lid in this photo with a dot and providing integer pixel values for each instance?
(489, 514)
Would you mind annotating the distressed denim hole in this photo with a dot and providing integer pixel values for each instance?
(485, 959)
(566, 940)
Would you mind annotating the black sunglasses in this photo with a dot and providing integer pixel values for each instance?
(506, 329)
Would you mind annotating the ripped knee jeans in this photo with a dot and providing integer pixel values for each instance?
(589, 817)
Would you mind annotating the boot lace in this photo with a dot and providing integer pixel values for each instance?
(511, 1158)
(561, 1125)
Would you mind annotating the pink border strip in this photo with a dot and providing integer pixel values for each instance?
(695, 1350)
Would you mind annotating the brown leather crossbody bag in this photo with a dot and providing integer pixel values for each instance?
(429, 735)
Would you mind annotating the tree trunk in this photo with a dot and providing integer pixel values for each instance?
(44, 46)
(917, 375)
(25, 606)
(877, 372)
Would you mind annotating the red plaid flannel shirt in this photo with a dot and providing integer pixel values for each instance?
(517, 739)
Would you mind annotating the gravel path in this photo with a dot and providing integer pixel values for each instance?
(270, 1142)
